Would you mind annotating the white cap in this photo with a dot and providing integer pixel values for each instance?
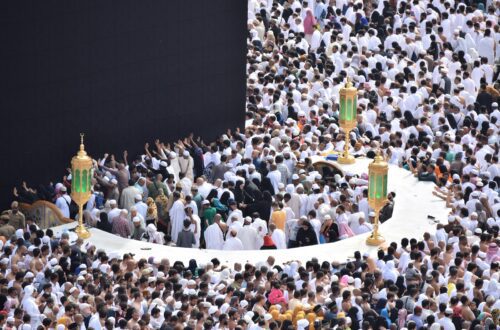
(205, 202)
(212, 310)
(136, 219)
(315, 186)
(267, 317)
(295, 177)
(138, 197)
(224, 308)
(302, 323)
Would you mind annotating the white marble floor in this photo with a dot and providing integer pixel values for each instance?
(414, 202)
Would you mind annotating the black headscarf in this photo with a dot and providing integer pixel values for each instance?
(306, 237)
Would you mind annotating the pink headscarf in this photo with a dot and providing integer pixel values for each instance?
(344, 280)
(345, 230)
(492, 253)
(309, 22)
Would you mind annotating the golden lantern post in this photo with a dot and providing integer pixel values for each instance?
(377, 194)
(348, 112)
(81, 173)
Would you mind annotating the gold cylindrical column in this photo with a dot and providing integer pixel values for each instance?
(377, 194)
(81, 172)
(347, 113)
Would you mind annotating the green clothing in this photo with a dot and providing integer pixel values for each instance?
(198, 198)
(209, 214)
(154, 189)
(450, 156)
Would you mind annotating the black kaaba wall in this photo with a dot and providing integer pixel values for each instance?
(123, 72)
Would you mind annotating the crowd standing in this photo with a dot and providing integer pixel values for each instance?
(428, 91)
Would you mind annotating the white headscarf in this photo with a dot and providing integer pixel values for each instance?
(154, 235)
(492, 289)
(389, 271)
(404, 260)
(292, 270)
(28, 293)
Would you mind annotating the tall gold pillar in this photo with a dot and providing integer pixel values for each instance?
(377, 194)
(81, 173)
(347, 113)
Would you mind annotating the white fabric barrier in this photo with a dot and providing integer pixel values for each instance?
(414, 202)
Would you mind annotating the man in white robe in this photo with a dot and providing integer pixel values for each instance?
(214, 237)
(360, 226)
(235, 214)
(177, 215)
(261, 226)
(174, 166)
(233, 243)
(127, 197)
(114, 212)
(278, 236)
(142, 208)
(249, 236)
(30, 306)
(195, 226)
(186, 165)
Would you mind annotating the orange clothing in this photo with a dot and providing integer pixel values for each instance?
(279, 219)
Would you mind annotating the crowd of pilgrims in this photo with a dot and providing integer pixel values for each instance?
(426, 74)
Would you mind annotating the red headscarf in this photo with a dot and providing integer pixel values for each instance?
(268, 241)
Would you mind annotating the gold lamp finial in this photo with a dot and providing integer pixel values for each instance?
(348, 84)
(82, 152)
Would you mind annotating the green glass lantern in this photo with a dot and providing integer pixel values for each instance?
(81, 173)
(347, 115)
(377, 194)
